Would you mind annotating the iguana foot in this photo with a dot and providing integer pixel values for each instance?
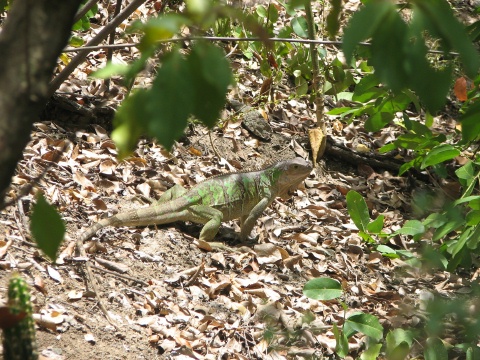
(219, 246)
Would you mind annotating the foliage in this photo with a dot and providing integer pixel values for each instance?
(397, 73)
(46, 227)
(4, 6)
(195, 84)
(84, 23)
(325, 289)
(19, 341)
(399, 50)
(185, 85)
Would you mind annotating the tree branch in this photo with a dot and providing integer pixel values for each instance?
(34, 34)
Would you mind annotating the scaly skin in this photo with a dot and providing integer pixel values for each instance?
(243, 195)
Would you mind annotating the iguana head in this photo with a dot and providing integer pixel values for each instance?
(291, 173)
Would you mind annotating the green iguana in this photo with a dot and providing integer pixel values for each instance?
(243, 195)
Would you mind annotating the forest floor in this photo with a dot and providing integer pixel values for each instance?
(169, 299)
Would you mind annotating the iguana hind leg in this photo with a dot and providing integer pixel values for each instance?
(212, 218)
(174, 192)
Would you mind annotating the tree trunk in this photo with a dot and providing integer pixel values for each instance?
(31, 40)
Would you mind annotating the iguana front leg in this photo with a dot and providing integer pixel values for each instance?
(247, 222)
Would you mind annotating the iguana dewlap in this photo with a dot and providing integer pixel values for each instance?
(243, 195)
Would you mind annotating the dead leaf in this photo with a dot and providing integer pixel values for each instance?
(144, 189)
(80, 179)
(107, 167)
(75, 295)
(194, 151)
(219, 258)
(99, 204)
(89, 338)
(40, 285)
(460, 89)
(4, 249)
(49, 320)
(318, 142)
(54, 274)
(267, 253)
(204, 245)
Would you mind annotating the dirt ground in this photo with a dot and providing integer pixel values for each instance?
(76, 328)
(166, 297)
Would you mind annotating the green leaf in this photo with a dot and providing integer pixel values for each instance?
(388, 51)
(398, 343)
(161, 28)
(161, 112)
(272, 14)
(452, 224)
(295, 4)
(419, 129)
(458, 245)
(474, 239)
(47, 227)
(358, 210)
(435, 350)
(405, 167)
(130, 121)
(261, 11)
(474, 203)
(368, 89)
(110, 70)
(339, 111)
(439, 19)
(472, 352)
(386, 250)
(372, 352)
(172, 99)
(301, 86)
(210, 76)
(471, 122)
(366, 237)
(366, 324)
(439, 154)
(299, 26)
(363, 24)
(411, 228)
(199, 7)
(466, 172)
(322, 289)
(341, 346)
(333, 17)
(378, 121)
(422, 75)
(410, 141)
(473, 218)
(76, 41)
(387, 148)
(435, 220)
(429, 120)
(376, 226)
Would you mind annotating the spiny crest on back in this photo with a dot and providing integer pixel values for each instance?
(250, 169)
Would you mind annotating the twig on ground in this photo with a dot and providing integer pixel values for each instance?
(90, 280)
(126, 277)
(196, 274)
